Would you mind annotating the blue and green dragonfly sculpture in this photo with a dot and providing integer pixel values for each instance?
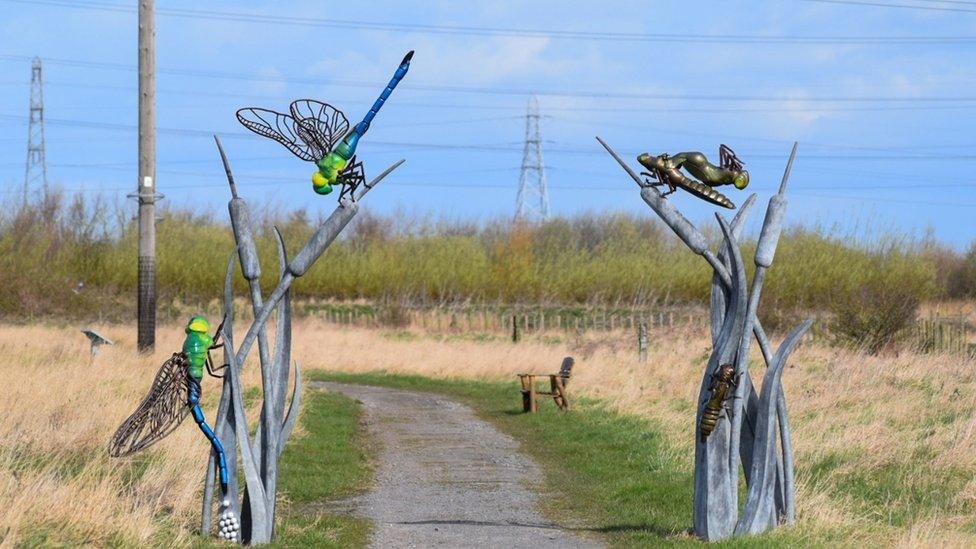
(318, 132)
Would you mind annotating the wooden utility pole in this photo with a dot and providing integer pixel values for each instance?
(146, 192)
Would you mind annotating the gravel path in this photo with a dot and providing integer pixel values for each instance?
(445, 478)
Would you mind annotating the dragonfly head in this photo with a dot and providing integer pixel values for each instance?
(198, 324)
(741, 180)
(726, 372)
(651, 162)
(320, 184)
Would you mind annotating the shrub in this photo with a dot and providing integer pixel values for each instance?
(606, 259)
(962, 280)
(881, 299)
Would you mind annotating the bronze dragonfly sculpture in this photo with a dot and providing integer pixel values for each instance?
(665, 170)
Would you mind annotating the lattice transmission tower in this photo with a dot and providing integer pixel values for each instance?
(532, 203)
(36, 173)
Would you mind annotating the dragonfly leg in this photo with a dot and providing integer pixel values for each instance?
(193, 401)
(211, 370)
(650, 180)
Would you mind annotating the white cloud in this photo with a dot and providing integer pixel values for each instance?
(271, 81)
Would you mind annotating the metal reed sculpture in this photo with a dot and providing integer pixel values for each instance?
(746, 426)
(259, 454)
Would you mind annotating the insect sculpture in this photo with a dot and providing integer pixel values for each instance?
(723, 383)
(665, 170)
(317, 132)
(175, 392)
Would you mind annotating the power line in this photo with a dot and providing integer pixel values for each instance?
(588, 94)
(566, 148)
(889, 5)
(961, 2)
(496, 107)
(611, 36)
(909, 185)
(801, 191)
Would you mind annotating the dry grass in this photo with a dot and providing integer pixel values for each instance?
(57, 483)
(884, 444)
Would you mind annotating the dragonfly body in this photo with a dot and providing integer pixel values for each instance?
(722, 384)
(666, 169)
(698, 165)
(332, 165)
(318, 132)
(196, 345)
(175, 391)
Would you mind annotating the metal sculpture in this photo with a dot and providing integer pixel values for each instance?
(313, 132)
(174, 394)
(260, 452)
(722, 382)
(96, 340)
(750, 433)
(665, 170)
(159, 413)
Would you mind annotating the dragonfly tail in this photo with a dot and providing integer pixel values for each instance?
(385, 94)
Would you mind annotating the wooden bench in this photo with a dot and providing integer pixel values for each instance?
(557, 383)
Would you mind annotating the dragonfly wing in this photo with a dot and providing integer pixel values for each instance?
(282, 128)
(158, 414)
(704, 192)
(325, 123)
(728, 159)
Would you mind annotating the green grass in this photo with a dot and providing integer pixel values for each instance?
(329, 463)
(896, 493)
(608, 474)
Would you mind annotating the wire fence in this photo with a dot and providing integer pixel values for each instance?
(933, 334)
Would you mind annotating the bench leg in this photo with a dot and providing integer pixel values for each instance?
(558, 387)
(529, 404)
(556, 396)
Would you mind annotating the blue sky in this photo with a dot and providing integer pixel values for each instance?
(885, 126)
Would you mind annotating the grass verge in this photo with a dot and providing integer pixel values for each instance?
(328, 463)
(606, 473)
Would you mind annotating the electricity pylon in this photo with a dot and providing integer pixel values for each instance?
(532, 203)
(36, 173)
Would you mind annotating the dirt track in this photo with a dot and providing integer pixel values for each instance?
(445, 478)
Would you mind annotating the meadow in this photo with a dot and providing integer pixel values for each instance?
(883, 434)
(884, 443)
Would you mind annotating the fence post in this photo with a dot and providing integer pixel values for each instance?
(642, 341)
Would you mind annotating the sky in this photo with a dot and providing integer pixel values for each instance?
(879, 95)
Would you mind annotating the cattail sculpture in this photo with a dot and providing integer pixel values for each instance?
(747, 434)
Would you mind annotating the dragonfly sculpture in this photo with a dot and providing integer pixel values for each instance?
(175, 393)
(318, 132)
(665, 170)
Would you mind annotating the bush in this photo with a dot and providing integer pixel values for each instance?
(962, 280)
(881, 299)
(606, 259)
